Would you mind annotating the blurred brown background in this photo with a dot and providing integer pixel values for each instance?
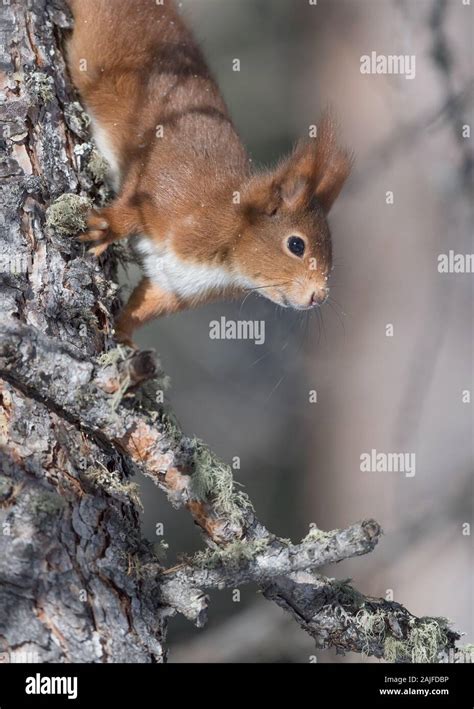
(300, 462)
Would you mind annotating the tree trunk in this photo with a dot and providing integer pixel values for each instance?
(68, 524)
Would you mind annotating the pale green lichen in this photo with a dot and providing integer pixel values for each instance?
(466, 652)
(113, 357)
(67, 215)
(395, 650)
(97, 167)
(373, 626)
(232, 555)
(111, 483)
(425, 639)
(151, 391)
(317, 535)
(212, 481)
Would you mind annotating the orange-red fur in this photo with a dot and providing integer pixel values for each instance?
(143, 73)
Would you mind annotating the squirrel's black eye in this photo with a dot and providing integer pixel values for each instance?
(296, 245)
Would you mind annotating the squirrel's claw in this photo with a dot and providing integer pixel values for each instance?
(98, 230)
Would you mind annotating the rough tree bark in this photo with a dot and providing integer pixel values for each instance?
(80, 416)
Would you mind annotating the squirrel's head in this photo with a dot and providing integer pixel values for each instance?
(284, 249)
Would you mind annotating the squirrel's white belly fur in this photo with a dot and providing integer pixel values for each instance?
(185, 279)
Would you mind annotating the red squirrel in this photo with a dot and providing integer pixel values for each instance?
(205, 224)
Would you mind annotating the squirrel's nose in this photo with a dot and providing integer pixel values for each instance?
(319, 297)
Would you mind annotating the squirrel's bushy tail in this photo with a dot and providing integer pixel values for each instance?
(103, 31)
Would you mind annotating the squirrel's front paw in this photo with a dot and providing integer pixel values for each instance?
(98, 229)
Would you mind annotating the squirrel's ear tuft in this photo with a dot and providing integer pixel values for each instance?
(317, 168)
(332, 163)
